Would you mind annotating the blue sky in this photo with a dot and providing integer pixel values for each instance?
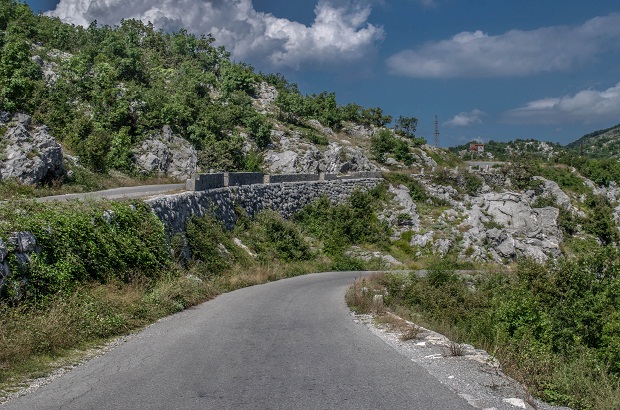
(489, 69)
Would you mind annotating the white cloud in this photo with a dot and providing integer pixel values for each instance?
(464, 119)
(587, 106)
(514, 53)
(340, 32)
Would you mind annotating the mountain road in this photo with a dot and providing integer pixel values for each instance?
(290, 344)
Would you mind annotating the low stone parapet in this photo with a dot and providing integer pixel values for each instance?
(243, 178)
(279, 178)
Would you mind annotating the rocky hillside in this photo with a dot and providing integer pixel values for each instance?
(599, 144)
(504, 151)
(137, 101)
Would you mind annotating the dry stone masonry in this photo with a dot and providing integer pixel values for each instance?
(285, 198)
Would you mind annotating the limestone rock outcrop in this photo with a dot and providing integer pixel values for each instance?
(29, 154)
(166, 154)
(292, 154)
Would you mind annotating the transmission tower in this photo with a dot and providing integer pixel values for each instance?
(436, 132)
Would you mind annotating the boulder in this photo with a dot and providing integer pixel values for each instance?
(403, 205)
(292, 155)
(28, 154)
(552, 189)
(166, 154)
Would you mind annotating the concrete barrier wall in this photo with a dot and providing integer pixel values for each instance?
(243, 178)
(279, 178)
(203, 182)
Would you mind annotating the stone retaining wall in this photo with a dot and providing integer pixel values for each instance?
(285, 198)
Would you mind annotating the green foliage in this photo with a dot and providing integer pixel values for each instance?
(19, 75)
(416, 189)
(406, 126)
(238, 77)
(210, 245)
(384, 142)
(600, 221)
(462, 181)
(275, 238)
(344, 224)
(561, 315)
(566, 179)
(315, 138)
(113, 241)
(601, 171)
(521, 172)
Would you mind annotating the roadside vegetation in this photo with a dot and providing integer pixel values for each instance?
(104, 269)
(554, 327)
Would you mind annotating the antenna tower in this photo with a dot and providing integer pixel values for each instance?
(436, 132)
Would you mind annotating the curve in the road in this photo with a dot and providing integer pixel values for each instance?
(291, 344)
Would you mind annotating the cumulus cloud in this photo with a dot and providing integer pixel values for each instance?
(340, 32)
(587, 106)
(514, 53)
(464, 119)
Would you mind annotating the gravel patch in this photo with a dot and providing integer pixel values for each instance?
(474, 375)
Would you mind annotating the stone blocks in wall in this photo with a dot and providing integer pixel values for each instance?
(202, 182)
(285, 198)
(328, 177)
(243, 178)
(368, 174)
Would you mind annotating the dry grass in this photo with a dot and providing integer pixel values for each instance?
(455, 349)
(410, 334)
(38, 338)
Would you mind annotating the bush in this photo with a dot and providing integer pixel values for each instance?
(342, 225)
(108, 242)
(275, 238)
(211, 247)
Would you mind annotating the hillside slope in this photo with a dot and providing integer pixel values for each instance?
(599, 144)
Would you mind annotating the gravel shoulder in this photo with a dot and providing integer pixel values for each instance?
(475, 375)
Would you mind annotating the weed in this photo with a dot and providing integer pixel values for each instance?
(411, 333)
(455, 349)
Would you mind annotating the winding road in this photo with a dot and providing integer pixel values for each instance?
(290, 344)
(118, 193)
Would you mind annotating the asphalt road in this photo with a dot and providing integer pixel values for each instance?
(290, 344)
(118, 193)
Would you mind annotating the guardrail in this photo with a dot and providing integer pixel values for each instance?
(203, 182)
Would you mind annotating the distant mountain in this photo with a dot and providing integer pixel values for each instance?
(599, 144)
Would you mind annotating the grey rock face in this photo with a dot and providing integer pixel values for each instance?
(21, 245)
(30, 156)
(531, 232)
(166, 154)
(292, 155)
(265, 98)
(403, 215)
(551, 188)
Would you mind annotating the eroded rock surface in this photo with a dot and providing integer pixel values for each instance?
(166, 154)
(29, 154)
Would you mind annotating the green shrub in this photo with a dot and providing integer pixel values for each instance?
(345, 224)
(211, 246)
(275, 238)
(81, 243)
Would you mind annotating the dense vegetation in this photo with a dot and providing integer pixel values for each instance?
(102, 90)
(599, 144)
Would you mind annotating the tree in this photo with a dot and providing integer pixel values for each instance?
(406, 126)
